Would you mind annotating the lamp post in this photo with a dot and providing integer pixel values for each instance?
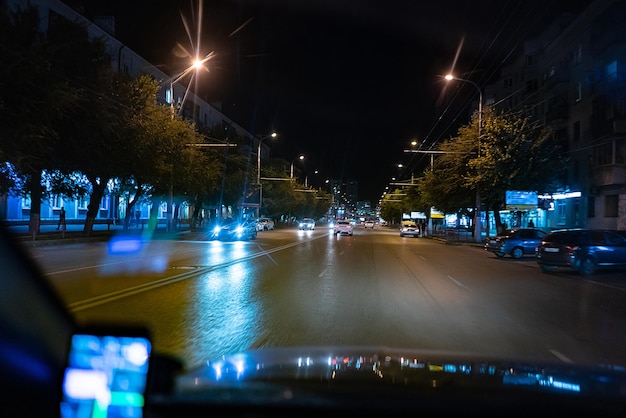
(258, 169)
(301, 157)
(477, 228)
(258, 155)
(196, 65)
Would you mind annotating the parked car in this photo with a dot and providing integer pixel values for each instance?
(368, 224)
(343, 227)
(234, 231)
(583, 250)
(258, 225)
(307, 223)
(409, 228)
(265, 224)
(515, 242)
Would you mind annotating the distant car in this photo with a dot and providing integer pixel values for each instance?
(234, 231)
(307, 224)
(582, 250)
(265, 224)
(368, 224)
(409, 228)
(343, 227)
(258, 225)
(515, 242)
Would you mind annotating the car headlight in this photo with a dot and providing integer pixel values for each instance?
(239, 230)
(216, 230)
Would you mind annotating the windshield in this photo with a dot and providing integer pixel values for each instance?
(141, 143)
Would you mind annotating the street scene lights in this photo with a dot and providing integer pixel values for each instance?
(197, 64)
(301, 157)
(258, 170)
(194, 67)
(258, 155)
(477, 228)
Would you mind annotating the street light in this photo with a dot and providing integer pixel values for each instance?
(195, 66)
(301, 157)
(258, 155)
(258, 169)
(477, 228)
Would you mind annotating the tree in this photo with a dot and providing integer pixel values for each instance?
(391, 207)
(447, 186)
(35, 93)
(209, 177)
(283, 196)
(515, 154)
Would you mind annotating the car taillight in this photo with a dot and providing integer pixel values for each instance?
(571, 249)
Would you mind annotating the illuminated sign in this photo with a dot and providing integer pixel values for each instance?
(557, 196)
(435, 214)
(521, 200)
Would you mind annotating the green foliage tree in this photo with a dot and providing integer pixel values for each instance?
(206, 189)
(515, 154)
(35, 93)
(447, 186)
(70, 116)
(285, 197)
(392, 206)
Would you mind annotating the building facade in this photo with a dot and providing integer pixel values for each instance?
(571, 78)
(172, 92)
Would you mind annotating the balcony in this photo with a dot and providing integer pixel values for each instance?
(609, 175)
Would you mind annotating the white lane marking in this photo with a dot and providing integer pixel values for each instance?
(268, 255)
(119, 294)
(561, 356)
(456, 282)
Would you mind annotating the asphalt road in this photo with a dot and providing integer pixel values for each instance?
(204, 298)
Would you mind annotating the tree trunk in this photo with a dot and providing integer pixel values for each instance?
(36, 194)
(153, 220)
(498, 218)
(130, 210)
(93, 207)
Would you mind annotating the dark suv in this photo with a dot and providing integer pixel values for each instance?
(583, 250)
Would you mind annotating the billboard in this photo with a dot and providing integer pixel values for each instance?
(521, 200)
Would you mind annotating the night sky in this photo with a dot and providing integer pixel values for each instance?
(347, 83)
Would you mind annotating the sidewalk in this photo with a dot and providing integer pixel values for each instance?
(49, 234)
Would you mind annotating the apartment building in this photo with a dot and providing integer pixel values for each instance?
(571, 78)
